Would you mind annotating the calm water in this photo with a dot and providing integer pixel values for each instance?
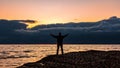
(15, 55)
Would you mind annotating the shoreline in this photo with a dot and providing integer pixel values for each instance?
(81, 59)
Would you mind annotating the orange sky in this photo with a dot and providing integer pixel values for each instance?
(58, 11)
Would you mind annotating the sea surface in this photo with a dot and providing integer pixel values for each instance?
(13, 55)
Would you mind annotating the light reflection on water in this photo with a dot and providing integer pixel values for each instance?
(15, 55)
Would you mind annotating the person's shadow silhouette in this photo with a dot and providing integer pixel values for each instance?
(59, 38)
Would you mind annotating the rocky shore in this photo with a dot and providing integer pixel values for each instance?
(84, 59)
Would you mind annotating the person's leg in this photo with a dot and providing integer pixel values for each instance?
(62, 49)
(57, 49)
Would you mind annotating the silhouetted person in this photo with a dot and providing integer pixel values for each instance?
(59, 41)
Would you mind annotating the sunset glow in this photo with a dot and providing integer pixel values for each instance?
(58, 11)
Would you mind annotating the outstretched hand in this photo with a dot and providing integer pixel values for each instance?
(53, 35)
(65, 35)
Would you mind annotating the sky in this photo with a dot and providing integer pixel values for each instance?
(58, 11)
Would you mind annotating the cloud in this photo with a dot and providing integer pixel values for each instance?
(8, 27)
(11, 25)
(109, 25)
(104, 31)
(26, 21)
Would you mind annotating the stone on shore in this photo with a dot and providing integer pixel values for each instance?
(84, 59)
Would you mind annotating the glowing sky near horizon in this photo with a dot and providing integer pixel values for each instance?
(58, 11)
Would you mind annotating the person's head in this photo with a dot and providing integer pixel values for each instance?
(60, 33)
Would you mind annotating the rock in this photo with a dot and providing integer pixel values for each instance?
(85, 59)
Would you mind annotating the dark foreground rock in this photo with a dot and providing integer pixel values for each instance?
(85, 59)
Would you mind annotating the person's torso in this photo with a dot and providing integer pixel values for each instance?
(60, 39)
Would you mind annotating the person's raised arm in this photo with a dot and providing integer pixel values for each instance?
(53, 36)
(65, 35)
